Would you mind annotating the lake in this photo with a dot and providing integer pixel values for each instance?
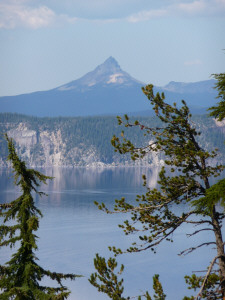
(73, 230)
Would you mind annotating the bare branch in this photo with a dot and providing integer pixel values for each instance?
(197, 231)
(203, 271)
(143, 126)
(199, 222)
(189, 250)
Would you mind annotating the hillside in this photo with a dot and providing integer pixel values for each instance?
(85, 141)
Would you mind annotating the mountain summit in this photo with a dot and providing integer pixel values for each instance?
(110, 65)
(108, 72)
(107, 90)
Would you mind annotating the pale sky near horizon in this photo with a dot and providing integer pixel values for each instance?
(44, 44)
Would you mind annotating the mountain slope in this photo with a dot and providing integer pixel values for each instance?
(107, 90)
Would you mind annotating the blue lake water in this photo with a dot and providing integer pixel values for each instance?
(73, 230)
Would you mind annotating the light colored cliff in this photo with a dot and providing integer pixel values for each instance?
(48, 148)
(65, 143)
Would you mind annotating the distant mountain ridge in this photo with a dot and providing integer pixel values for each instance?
(190, 87)
(107, 90)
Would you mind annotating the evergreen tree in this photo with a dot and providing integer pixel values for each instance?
(185, 179)
(219, 111)
(20, 277)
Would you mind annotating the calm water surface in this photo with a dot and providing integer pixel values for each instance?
(73, 230)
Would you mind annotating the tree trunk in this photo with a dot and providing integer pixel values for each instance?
(220, 250)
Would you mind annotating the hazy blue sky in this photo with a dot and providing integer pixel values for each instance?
(44, 44)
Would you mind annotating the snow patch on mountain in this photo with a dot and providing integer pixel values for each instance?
(116, 78)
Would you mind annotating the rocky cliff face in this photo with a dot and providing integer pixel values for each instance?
(43, 148)
(48, 148)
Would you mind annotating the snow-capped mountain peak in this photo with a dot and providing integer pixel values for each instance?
(107, 73)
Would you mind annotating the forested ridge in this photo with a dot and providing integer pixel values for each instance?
(82, 141)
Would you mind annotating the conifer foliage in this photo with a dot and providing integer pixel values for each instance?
(107, 281)
(184, 180)
(20, 277)
(218, 111)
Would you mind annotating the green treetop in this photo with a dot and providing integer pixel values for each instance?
(20, 277)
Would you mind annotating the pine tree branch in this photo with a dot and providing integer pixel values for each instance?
(160, 238)
(137, 209)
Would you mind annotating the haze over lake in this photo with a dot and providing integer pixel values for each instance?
(73, 230)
